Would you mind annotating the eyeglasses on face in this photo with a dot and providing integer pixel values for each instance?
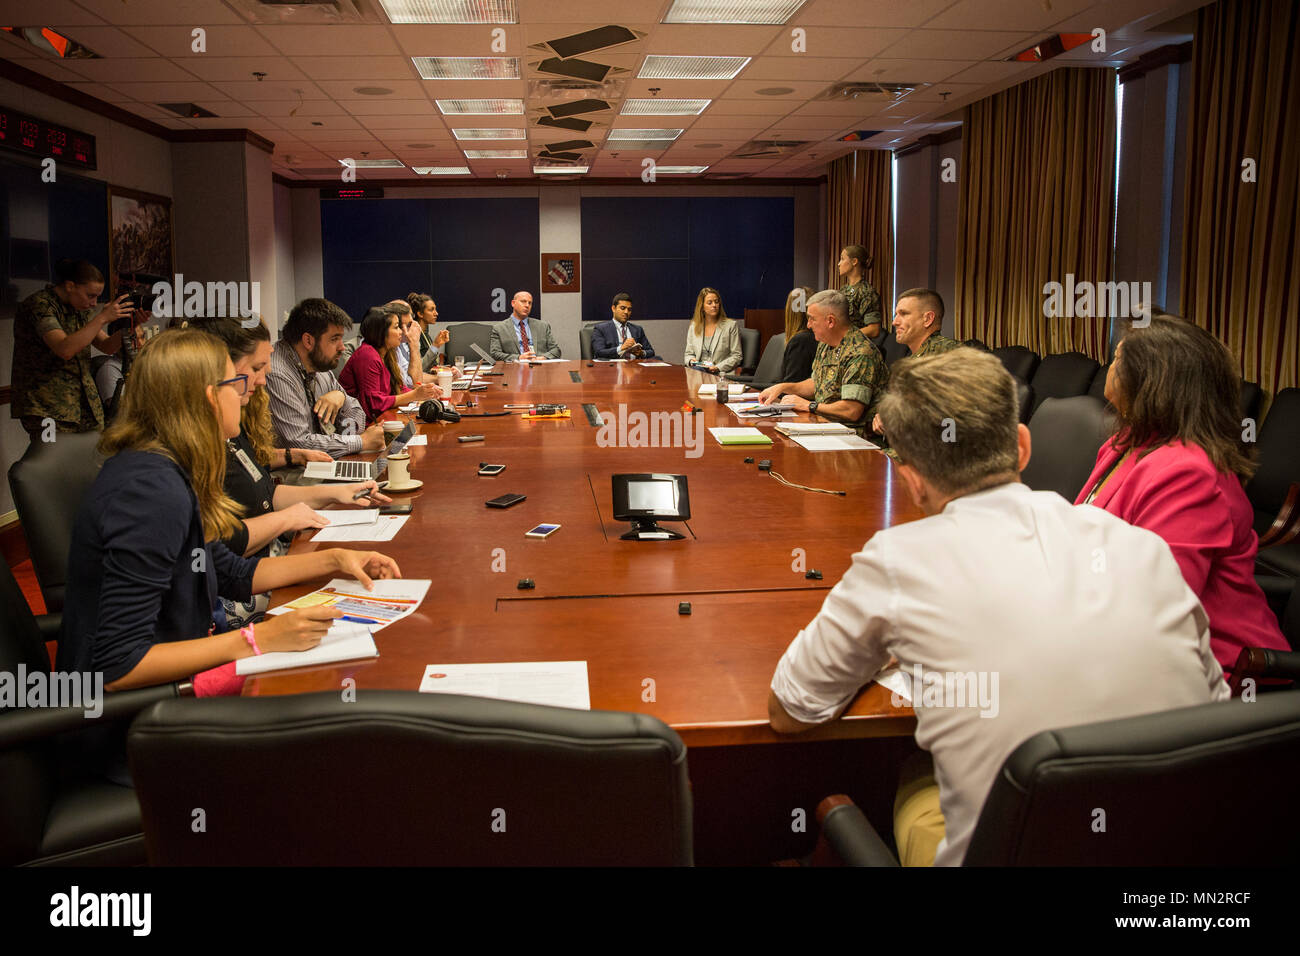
(239, 383)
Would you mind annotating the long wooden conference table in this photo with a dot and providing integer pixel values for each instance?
(614, 603)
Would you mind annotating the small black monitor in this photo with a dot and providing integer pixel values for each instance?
(646, 499)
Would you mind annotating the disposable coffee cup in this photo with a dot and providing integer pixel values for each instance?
(444, 382)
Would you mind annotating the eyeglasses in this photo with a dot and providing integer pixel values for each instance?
(239, 383)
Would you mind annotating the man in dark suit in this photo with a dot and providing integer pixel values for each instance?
(619, 338)
(520, 337)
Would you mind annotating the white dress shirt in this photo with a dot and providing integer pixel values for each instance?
(1056, 615)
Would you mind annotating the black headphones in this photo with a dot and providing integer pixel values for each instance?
(435, 411)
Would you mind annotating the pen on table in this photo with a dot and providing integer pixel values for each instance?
(364, 492)
(356, 620)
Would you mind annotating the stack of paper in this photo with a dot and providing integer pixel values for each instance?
(343, 642)
(350, 516)
(813, 428)
(737, 393)
(739, 436)
(849, 442)
(753, 410)
(391, 600)
(380, 529)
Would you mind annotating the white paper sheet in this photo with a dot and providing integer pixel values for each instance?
(813, 428)
(381, 529)
(343, 642)
(339, 516)
(749, 411)
(833, 443)
(412, 407)
(557, 683)
(418, 440)
(656, 365)
(391, 600)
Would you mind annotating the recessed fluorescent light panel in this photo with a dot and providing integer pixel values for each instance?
(441, 170)
(560, 170)
(373, 163)
(618, 135)
(480, 107)
(680, 169)
(467, 67)
(451, 11)
(496, 154)
(489, 134)
(732, 11)
(664, 107)
(692, 67)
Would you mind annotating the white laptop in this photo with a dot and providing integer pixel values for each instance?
(359, 470)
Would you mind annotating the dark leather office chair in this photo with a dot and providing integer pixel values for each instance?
(462, 335)
(406, 779)
(1173, 786)
(1098, 387)
(1063, 376)
(769, 366)
(1252, 398)
(49, 814)
(1274, 491)
(749, 339)
(976, 344)
(1024, 401)
(892, 349)
(584, 343)
(48, 483)
(1067, 433)
(1019, 361)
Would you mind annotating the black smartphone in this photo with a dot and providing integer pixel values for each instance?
(396, 508)
(505, 501)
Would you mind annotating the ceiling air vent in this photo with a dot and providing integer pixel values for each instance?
(869, 92)
(758, 148)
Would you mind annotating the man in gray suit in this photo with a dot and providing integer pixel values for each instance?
(520, 337)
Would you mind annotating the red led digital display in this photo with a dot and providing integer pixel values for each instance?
(36, 137)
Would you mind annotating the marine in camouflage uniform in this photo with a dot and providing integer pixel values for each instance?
(853, 370)
(864, 305)
(44, 385)
(936, 344)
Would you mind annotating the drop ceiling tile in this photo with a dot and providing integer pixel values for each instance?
(250, 90)
(424, 39)
(835, 41)
(934, 95)
(431, 123)
(236, 68)
(857, 13)
(225, 108)
(1031, 15)
(139, 69)
(596, 13)
(109, 41)
(331, 40)
(958, 44)
(278, 109)
(676, 89)
(153, 12)
(474, 89)
(332, 126)
(991, 72)
(387, 106)
(348, 67)
(825, 69)
(405, 89)
(799, 90)
(722, 121)
(828, 124)
(219, 41)
(169, 92)
(21, 13)
(888, 70)
(102, 91)
(762, 106)
(53, 69)
(690, 39)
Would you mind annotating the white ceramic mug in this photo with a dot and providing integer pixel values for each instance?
(399, 473)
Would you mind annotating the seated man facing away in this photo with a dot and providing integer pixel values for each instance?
(619, 338)
(849, 373)
(1002, 603)
(520, 337)
(309, 408)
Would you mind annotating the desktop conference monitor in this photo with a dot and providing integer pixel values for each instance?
(647, 498)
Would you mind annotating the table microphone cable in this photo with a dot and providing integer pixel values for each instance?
(824, 491)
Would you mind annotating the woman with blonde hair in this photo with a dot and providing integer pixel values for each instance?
(271, 512)
(800, 343)
(713, 340)
(146, 562)
(864, 300)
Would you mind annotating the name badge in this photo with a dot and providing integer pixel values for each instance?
(253, 471)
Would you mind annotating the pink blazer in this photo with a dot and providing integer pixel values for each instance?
(1206, 519)
(365, 377)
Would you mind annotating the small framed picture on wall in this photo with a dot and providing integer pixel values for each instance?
(561, 272)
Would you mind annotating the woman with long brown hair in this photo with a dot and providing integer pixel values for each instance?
(146, 562)
(372, 375)
(864, 300)
(1176, 465)
(713, 340)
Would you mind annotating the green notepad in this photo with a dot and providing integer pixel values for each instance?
(740, 436)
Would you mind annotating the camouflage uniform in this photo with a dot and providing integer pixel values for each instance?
(853, 370)
(937, 344)
(864, 305)
(44, 385)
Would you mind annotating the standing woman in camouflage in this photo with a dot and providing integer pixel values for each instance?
(53, 332)
(864, 301)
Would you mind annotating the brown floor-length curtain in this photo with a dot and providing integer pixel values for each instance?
(1036, 205)
(1241, 254)
(860, 211)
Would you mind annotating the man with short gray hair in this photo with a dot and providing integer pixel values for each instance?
(848, 373)
(1002, 603)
